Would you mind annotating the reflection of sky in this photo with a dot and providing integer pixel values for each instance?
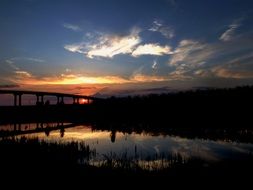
(147, 145)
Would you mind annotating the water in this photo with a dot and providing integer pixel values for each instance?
(142, 146)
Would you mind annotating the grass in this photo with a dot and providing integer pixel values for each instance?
(37, 159)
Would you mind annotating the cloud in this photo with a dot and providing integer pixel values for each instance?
(152, 49)
(26, 78)
(76, 48)
(229, 33)
(238, 68)
(23, 74)
(11, 64)
(85, 88)
(65, 79)
(183, 53)
(9, 61)
(9, 86)
(202, 73)
(224, 72)
(147, 78)
(72, 27)
(34, 60)
(12, 61)
(196, 59)
(108, 45)
(154, 66)
(166, 31)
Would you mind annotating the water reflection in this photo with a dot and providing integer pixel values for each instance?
(113, 136)
(148, 148)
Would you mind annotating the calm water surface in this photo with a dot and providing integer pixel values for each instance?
(145, 146)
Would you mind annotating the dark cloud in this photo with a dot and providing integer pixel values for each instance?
(107, 92)
(9, 86)
(85, 88)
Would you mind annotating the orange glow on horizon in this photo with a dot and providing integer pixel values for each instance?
(68, 80)
(77, 83)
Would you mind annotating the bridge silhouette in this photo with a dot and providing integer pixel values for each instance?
(17, 129)
(40, 97)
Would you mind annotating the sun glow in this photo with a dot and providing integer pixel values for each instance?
(70, 79)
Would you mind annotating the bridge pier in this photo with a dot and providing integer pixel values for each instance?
(75, 100)
(15, 99)
(19, 98)
(40, 99)
(60, 100)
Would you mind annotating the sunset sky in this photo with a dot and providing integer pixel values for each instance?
(125, 46)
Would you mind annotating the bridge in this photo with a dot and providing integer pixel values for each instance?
(17, 97)
(17, 129)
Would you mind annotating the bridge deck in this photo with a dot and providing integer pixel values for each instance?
(40, 93)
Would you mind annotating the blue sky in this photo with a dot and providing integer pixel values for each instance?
(114, 46)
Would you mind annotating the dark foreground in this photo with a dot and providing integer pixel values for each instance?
(24, 160)
(43, 163)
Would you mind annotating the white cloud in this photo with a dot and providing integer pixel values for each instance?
(34, 60)
(75, 48)
(166, 31)
(9, 61)
(22, 74)
(112, 46)
(108, 45)
(229, 33)
(154, 66)
(72, 27)
(152, 49)
(16, 59)
(183, 53)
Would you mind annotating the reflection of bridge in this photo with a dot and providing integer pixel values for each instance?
(40, 96)
(17, 129)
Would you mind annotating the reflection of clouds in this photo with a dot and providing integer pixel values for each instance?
(146, 145)
(156, 147)
(245, 148)
(191, 148)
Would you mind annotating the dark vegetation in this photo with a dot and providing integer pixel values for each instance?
(214, 107)
(39, 161)
(199, 108)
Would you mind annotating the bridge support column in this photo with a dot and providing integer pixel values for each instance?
(15, 99)
(42, 100)
(20, 99)
(38, 100)
(62, 100)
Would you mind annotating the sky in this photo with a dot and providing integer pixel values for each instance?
(122, 47)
